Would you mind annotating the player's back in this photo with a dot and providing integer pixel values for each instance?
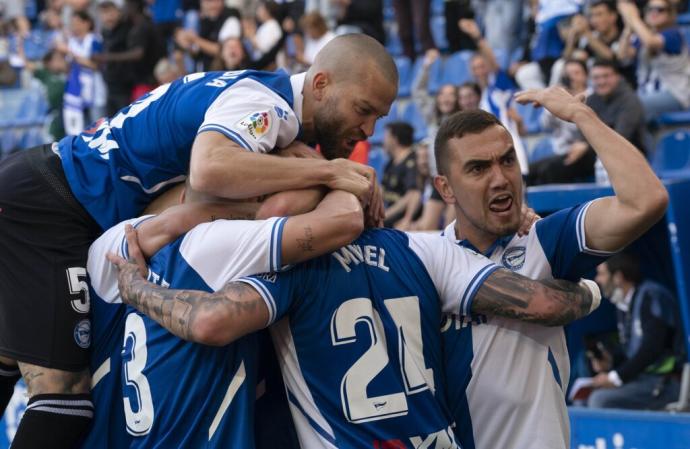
(360, 345)
(119, 165)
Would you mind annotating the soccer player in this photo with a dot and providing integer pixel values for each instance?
(357, 330)
(507, 378)
(151, 388)
(55, 200)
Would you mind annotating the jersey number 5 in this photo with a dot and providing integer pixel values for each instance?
(358, 407)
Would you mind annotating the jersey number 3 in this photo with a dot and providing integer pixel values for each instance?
(357, 405)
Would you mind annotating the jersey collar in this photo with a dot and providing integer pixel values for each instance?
(297, 82)
(502, 242)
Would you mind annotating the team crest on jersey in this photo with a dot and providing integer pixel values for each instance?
(514, 258)
(257, 124)
(268, 277)
(82, 333)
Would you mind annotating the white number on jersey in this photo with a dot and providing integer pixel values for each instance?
(357, 406)
(76, 278)
(139, 422)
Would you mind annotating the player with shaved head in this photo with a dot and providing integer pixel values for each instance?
(213, 127)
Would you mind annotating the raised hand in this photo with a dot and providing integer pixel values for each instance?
(555, 99)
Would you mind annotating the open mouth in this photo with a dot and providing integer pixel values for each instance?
(501, 203)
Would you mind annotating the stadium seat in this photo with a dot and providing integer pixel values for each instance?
(456, 68)
(674, 118)
(437, 7)
(377, 137)
(393, 44)
(414, 117)
(438, 31)
(541, 150)
(531, 116)
(378, 160)
(672, 152)
(405, 75)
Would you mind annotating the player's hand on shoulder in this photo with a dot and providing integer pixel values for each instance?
(358, 179)
(528, 218)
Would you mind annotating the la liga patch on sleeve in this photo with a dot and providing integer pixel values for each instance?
(257, 124)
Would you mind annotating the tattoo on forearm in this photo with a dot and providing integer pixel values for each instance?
(179, 311)
(505, 294)
(305, 243)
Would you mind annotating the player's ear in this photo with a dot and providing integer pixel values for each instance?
(443, 188)
(320, 81)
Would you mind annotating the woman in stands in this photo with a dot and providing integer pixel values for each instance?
(663, 63)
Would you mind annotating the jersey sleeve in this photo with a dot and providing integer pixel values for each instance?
(228, 249)
(562, 237)
(253, 116)
(457, 272)
(278, 290)
(673, 41)
(102, 273)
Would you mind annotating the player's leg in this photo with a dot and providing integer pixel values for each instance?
(9, 375)
(59, 411)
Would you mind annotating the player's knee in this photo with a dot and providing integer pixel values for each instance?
(41, 380)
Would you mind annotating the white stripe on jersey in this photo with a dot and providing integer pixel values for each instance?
(100, 373)
(235, 384)
(266, 296)
(295, 385)
(582, 237)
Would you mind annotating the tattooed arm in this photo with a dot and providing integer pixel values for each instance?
(217, 318)
(547, 302)
(336, 221)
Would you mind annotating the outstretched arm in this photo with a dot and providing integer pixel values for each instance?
(641, 199)
(547, 302)
(217, 318)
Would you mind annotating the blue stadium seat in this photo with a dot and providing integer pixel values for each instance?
(414, 117)
(393, 44)
(437, 7)
(378, 160)
(672, 152)
(531, 116)
(541, 150)
(377, 137)
(456, 68)
(684, 19)
(438, 31)
(674, 118)
(405, 75)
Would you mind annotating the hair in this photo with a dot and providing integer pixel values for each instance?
(626, 264)
(402, 131)
(314, 20)
(84, 16)
(272, 8)
(672, 7)
(50, 54)
(610, 63)
(457, 126)
(579, 62)
(610, 5)
(108, 4)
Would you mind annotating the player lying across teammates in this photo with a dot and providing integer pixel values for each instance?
(56, 199)
(356, 330)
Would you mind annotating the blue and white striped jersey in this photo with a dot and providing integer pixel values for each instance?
(357, 337)
(120, 164)
(152, 389)
(506, 378)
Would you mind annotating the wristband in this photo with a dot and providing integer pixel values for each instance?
(594, 290)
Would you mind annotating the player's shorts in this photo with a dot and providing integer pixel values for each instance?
(45, 236)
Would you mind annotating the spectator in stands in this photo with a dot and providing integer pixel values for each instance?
(269, 32)
(597, 36)
(642, 374)
(618, 106)
(166, 15)
(142, 50)
(433, 108)
(433, 207)
(169, 69)
(502, 20)
(413, 15)
(316, 35)
(401, 193)
(117, 74)
(454, 10)
(204, 45)
(52, 76)
(497, 89)
(360, 16)
(14, 11)
(566, 139)
(663, 62)
(84, 98)
(469, 96)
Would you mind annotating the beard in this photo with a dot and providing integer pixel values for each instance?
(329, 131)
